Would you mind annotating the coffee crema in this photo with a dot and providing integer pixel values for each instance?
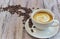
(42, 17)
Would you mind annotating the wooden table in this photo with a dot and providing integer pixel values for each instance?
(11, 26)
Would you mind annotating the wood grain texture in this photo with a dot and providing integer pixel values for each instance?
(2, 18)
(19, 28)
(35, 4)
(11, 26)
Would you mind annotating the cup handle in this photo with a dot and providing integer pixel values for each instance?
(55, 23)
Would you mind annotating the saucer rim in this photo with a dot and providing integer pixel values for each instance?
(41, 37)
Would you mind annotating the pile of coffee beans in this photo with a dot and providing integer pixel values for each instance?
(14, 9)
(17, 9)
(21, 11)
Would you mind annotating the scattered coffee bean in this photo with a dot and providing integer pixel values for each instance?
(32, 30)
(23, 27)
(37, 8)
(33, 8)
(23, 23)
(22, 20)
(34, 26)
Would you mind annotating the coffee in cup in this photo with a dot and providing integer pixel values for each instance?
(42, 16)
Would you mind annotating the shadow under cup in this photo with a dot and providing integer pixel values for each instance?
(39, 24)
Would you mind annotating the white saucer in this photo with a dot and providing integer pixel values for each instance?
(51, 31)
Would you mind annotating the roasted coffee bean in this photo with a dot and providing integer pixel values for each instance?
(19, 12)
(22, 14)
(24, 8)
(16, 7)
(29, 11)
(26, 17)
(23, 27)
(32, 30)
(30, 23)
(12, 12)
(5, 9)
(33, 8)
(23, 11)
(34, 26)
(37, 8)
(22, 20)
(23, 23)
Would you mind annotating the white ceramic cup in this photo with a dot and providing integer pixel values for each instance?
(43, 26)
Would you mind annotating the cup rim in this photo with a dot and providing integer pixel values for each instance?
(47, 10)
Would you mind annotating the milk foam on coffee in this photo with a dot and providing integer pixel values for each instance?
(42, 17)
